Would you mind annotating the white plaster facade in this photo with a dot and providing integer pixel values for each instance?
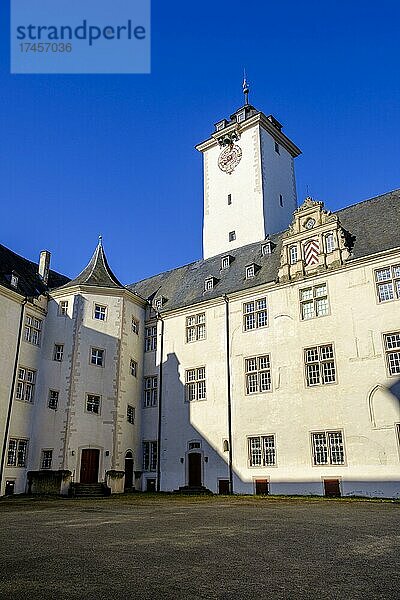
(178, 441)
(259, 196)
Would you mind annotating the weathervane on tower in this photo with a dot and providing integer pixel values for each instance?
(246, 88)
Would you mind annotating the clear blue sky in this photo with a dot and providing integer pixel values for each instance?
(114, 154)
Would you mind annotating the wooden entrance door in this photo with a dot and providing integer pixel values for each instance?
(128, 471)
(194, 469)
(89, 465)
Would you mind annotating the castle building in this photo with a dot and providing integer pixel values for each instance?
(268, 366)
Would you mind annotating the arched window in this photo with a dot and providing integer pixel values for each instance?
(226, 446)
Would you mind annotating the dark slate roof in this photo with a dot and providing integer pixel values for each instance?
(29, 281)
(97, 272)
(373, 224)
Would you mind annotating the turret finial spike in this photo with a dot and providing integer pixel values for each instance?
(246, 88)
(100, 240)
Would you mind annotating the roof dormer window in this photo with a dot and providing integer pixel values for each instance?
(226, 261)
(241, 116)
(14, 280)
(210, 283)
(159, 302)
(220, 125)
(266, 248)
(250, 271)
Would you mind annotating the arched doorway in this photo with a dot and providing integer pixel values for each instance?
(129, 470)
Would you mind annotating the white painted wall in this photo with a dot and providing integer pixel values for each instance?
(292, 410)
(278, 178)
(254, 185)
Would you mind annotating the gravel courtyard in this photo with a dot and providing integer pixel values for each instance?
(183, 547)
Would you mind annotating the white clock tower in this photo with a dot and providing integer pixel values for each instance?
(249, 181)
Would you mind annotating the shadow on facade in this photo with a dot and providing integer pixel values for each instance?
(194, 443)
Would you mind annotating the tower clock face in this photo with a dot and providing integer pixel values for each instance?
(230, 158)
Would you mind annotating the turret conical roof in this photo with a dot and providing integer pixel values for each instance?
(97, 272)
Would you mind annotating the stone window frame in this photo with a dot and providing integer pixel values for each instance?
(328, 455)
(391, 348)
(93, 404)
(256, 312)
(26, 382)
(314, 298)
(318, 369)
(18, 455)
(263, 455)
(46, 459)
(195, 324)
(33, 329)
(130, 414)
(258, 372)
(58, 352)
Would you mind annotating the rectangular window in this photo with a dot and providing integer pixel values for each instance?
(149, 456)
(329, 243)
(196, 327)
(58, 352)
(320, 365)
(46, 459)
(130, 414)
(392, 351)
(17, 452)
(255, 314)
(314, 302)
(135, 326)
(63, 308)
(25, 384)
(93, 404)
(150, 391)
(100, 312)
(328, 448)
(133, 367)
(293, 255)
(262, 452)
(232, 236)
(280, 200)
(97, 357)
(53, 399)
(258, 374)
(150, 338)
(32, 330)
(229, 199)
(277, 149)
(195, 384)
(388, 283)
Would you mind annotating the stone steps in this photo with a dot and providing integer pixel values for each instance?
(192, 490)
(89, 490)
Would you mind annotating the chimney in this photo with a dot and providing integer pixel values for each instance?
(44, 265)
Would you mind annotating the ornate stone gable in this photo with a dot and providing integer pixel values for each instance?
(315, 241)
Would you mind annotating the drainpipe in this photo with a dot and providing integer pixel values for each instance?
(160, 381)
(229, 397)
(10, 402)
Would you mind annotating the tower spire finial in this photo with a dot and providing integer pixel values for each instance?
(100, 240)
(246, 88)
